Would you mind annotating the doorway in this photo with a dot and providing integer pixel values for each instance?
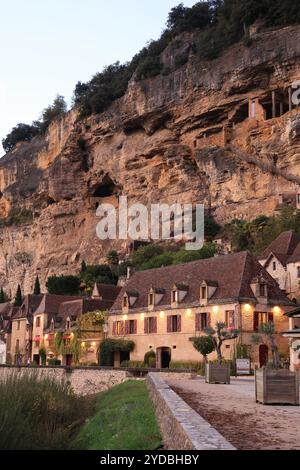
(36, 359)
(163, 358)
(263, 355)
(69, 360)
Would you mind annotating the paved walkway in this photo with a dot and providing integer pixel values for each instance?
(232, 410)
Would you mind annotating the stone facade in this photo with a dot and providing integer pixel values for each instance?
(181, 427)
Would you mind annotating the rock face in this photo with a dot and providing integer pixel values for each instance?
(204, 133)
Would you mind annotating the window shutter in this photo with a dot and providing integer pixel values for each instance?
(122, 329)
(255, 321)
(208, 320)
(179, 324)
(169, 324)
(154, 325)
(126, 327)
(146, 326)
(271, 317)
(198, 321)
(135, 327)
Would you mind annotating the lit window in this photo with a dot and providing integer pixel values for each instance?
(38, 322)
(151, 299)
(174, 296)
(230, 319)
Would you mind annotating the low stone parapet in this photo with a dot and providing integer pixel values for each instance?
(182, 428)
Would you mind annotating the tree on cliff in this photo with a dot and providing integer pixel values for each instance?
(63, 285)
(18, 299)
(3, 296)
(52, 112)
(20, 133)
(37, 286)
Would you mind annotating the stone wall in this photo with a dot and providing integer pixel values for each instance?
(84, 381)
(181, 427)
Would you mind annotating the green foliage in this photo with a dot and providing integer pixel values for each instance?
(133, 365)
(43, 355)
(3, 296)
(125, 420)
(39, 413)
(63, 285)
(242, 351)
(211, 227)
(150, 359)
(156, 256)
(18, 298)
(37, 287)
(17, 217)
(96, 273)
(190, 365)
(113, 257)
(54, 362)
(20, 133)
(204, 345)
(110, 346)
(55, 111)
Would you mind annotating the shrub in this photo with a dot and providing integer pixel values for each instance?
(54, 362)
(190, 365)
(17, 217)
(204, 345)
(63, 285)
(133, 365)
(150, 359)
(39, 413)
(20, 133)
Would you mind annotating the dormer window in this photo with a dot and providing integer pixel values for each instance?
(129, 299)
(262, 290)
(174, 296)
(125, 301)
(179, 292)
(151, 299)
(203, 293)
(52, 325)
(68, 324)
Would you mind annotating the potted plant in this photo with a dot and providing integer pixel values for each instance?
(219, 372)
(274, 385)
(204, 345)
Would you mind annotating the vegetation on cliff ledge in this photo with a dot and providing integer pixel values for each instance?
(215, 24)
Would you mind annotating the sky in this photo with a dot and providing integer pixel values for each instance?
(47, 46)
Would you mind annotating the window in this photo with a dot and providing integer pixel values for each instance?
(262, 290)
(229, 318)
(52, 325)
(68, 324)
(125, 301)
(131, 327)
(19, 324)
(203, 293)
(298, 272)
(274, 265)
(17, 345)
(174, 296)
(261, 318)
(151, 299)
(201, 321)
(150, 325)
(38, 322)
(118, 328)
(174, 324)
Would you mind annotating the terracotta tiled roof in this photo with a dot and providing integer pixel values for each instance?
(232, 275)
(107, 291)
(284, 244)
(51, 303)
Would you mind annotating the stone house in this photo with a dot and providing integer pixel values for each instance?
(293, 334)
(162, 309)
(7, 313)
(282, 261)
(21, 329)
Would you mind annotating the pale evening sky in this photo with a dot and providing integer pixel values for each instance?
(47, 46)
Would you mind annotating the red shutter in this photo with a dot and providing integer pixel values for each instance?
(178, 323)
(146, 326)
(122, 329)
(135, 327)
(126, 328)
(198, 322)
(271, 317)
(169, 324)
(255, 321)
(154, 325)
(114, 328)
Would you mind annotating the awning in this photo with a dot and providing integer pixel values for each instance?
(67, 337)
(37, 339)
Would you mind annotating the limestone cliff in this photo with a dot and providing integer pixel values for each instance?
(205, 133)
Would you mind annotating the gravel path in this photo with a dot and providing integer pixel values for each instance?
(232, 410)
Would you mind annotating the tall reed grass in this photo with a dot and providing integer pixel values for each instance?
(39, 413)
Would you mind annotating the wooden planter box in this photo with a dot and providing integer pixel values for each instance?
(217, 374)
(276, 387)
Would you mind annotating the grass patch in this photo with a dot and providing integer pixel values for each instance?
(125, 420)
(39, 413)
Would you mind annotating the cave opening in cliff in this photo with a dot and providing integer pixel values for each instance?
(275, 104)
(106, 188)
(241, 114)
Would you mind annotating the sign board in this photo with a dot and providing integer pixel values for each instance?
(243, 367)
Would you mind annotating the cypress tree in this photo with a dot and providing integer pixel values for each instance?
(18, 299)
(37, 287)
